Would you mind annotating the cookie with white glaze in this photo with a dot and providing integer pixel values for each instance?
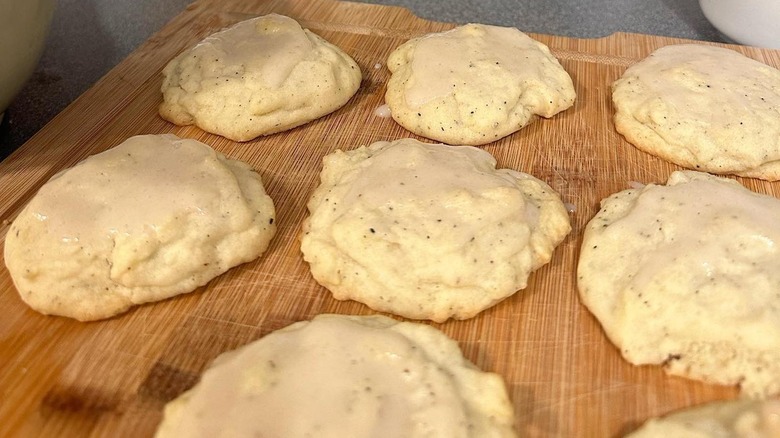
(153, 217)
(344, 376)
(475, 84)
(257, 77)
(744, 418)
(428, 231)
(703, 107)
(687, 276)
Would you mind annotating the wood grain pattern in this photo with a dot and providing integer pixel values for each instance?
(112, 378)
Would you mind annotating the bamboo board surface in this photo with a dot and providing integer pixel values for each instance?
(59, 377)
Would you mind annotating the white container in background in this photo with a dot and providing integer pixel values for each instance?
(749, 22)
(24, 25)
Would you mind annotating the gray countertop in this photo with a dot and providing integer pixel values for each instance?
(89, 37)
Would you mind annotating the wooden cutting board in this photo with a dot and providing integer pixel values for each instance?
(112, 378)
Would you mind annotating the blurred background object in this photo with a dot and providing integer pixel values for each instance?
(750, 22)
(24, 25)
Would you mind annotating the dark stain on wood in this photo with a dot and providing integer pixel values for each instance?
(87, 401)
(164, 383)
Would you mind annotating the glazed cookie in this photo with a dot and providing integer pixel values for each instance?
(428, 231)
(344, 376)
(703, 107)
(153, 217)
(736, 418)
(474, 84)
(687, 275)
(257, 77)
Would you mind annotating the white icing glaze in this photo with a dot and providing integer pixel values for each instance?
(148, 171)
(382, 111)
(444, 171)
(445, 60)
(741, 418)
(763, 421)
(273, 44)
(709, 235)
(445, 181)
(330, 377)
(770, 416)
(706, 83)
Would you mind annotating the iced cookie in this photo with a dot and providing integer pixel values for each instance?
(257, 77)
(153, 217)
(428, 231)
(474, 84)
(344, 376)
(687, 275)
(736, 418)
(703, 107)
